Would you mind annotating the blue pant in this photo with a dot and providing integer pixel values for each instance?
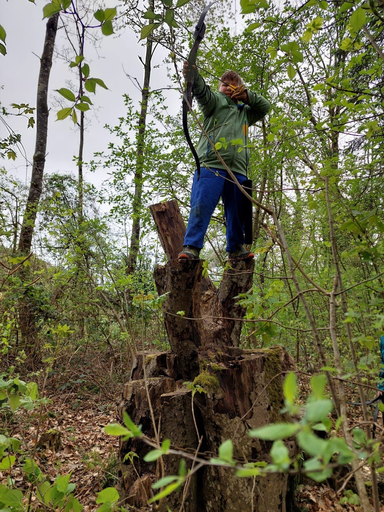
(205, 196)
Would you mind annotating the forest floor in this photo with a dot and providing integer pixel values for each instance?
(80, 446)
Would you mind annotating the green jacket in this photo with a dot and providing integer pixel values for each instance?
(223, 118)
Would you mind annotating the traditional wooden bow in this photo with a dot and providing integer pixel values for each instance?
(187, 96)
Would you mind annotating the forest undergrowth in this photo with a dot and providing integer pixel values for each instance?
(66, 436)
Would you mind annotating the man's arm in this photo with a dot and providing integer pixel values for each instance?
(200, 89)
(259, 106)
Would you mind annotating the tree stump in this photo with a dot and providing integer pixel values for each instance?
(242, 390)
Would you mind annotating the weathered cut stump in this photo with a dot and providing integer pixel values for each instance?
(242, 390)
(197, 315)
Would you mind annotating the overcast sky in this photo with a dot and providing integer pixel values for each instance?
(19, 69)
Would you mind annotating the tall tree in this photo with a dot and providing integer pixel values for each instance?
(138, 176)
(42, 112)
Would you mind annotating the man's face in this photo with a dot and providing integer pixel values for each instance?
(228, 87)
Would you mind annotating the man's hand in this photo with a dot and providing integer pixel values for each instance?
(190, 72)
(240, 93)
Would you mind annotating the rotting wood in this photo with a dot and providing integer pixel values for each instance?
(243, 388)
(170, 227)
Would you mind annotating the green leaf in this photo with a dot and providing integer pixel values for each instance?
(280, 454)
(109, 494)
(83, 107)
(272, 51)
(318, 383)
(357, 20)
(115, 429)
(12, 498)
(62, 483)
(226, 451)
(31, 468)
(275, 431)
(63, 113)
(182, 468)
(106, 507)
(3, 50)
(99, 15)
(100, 83)
(7, 462)
(153, 455)
(168, 490)
(315, 464)
(42, 489)
(77, 61)
(3, 33)
(346, 6)
(328, 369)
(253, 26)
(297, 56)
(15, 444)
(74, 116)
(248, 472)
(169, 17)
(136, 430)
(67, 94)
(4, 441)
(310, 443)
(164, 481)
(180, 3)
(85, 70)
(150, 15)
(291, 46)
(318, 410)
(291, 71)
(345, 44)
(317, 23)
(107, 28)
(65, 3)
(247, 6)
(339, 445)
(73, 505)
(359, 436)
(86, 99)
(290, 388)
(33, 390)
(110, 13)
(352, 226)
(90, 85)
(165, 445)
(51, 9)
(167, 3)
(147, 30)
(14, 402)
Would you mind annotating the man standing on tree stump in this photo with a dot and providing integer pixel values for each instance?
(227, 115)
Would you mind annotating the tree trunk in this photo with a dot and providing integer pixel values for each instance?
(27, 307)
(36, 186)
(242, 389)
(138, 178)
